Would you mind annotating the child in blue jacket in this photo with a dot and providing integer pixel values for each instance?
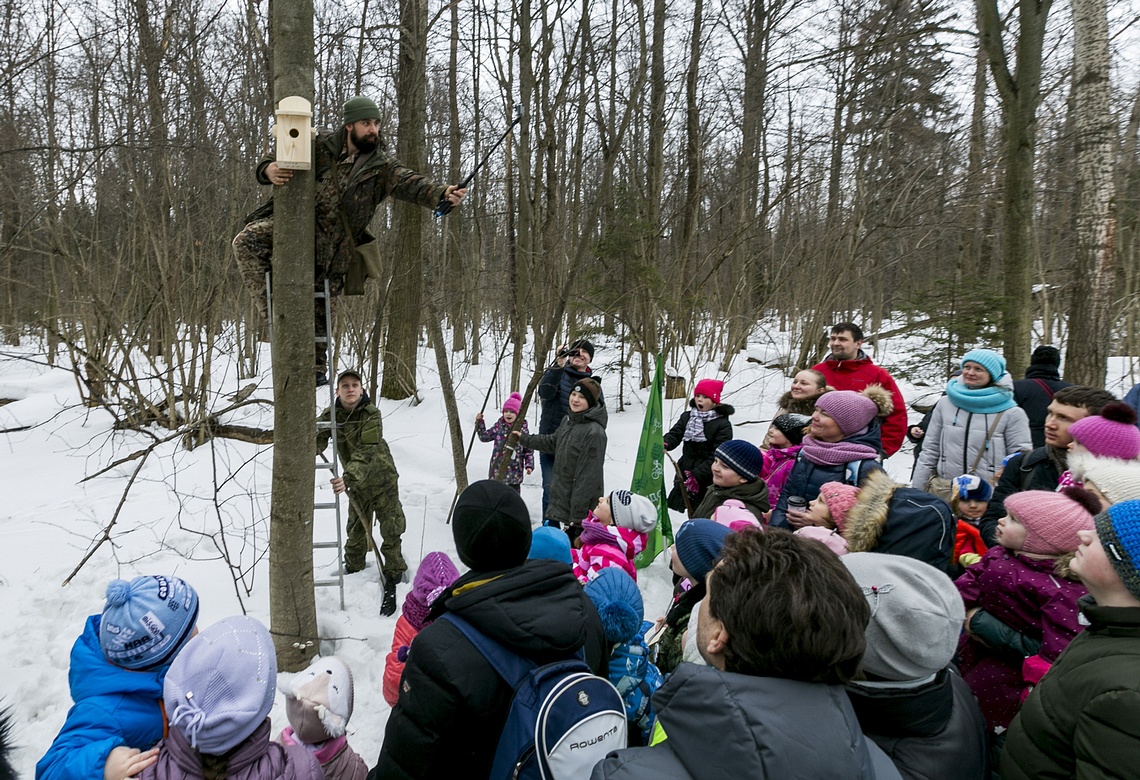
(118, 665)
(619, 604)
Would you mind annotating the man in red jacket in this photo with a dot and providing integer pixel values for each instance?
(849, 368)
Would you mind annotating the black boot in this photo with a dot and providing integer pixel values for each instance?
(388, 605)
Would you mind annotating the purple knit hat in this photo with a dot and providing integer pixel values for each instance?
(433, 577)
(1110, 434)
(851, 411)
(513, 403)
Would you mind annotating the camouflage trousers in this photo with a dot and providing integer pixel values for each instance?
(380, 495)
(253, 250)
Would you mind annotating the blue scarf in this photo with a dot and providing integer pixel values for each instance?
(983, 400)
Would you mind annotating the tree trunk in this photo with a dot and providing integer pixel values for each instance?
(1090, 315)
(407, 218)
(292, 605)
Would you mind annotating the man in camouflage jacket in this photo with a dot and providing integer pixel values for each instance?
(369, 475)
(354, 174)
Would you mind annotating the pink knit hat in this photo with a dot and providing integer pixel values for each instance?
(1051, 519)
(710, 388)
(433, 577)
(1110, 434)
(839, 498)
(513, 403)
(851, 411)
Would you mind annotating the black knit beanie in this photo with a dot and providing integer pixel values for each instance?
(491, 527)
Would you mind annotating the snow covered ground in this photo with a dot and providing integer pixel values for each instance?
(180, 500)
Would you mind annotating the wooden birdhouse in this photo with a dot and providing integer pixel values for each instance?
(294, 133)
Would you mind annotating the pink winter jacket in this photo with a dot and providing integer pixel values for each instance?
(777, 466)
(603, 546)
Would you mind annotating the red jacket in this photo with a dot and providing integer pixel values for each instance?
(393, 666)
(857, 374)
(968, 539)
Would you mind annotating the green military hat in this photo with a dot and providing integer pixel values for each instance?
(359, 107)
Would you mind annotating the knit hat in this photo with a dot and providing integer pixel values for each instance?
(1051, 519)
(147, 620)
(1117, 480)
(710, 388)
(1110, 434)
(1119, 530)
(840, 498)
(792, 426)
(970, 487)
(732, 514)
(590, 390)
(633, 511)
(852, 411)
(833, 540)
(359, 107)
(318, 700)
(583, 345)
(1045, 355)
(220, 687)
(491, 527)
(552, 543)
(991, 361)
(513, 403)
(435, 574)
(742, 457)
(619, 604)
(698, 543)
(916, 615)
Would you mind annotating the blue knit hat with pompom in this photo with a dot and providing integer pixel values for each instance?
(146, 621)
(619, 603)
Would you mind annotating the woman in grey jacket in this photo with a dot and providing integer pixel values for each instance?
(977, 421)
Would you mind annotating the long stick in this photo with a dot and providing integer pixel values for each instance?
(471, 441)
(444, 205)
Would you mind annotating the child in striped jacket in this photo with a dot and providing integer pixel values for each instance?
(613, 534)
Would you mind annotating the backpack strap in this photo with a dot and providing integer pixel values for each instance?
(853, 469)
(512, 667)
(986, 443)
(1045, 387)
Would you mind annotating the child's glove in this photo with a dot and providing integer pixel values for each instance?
(969, 559)
(402, 654)
(691, 484)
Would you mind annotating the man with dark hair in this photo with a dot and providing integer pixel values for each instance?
(849, 368)
(782, 629)
(1040, 469)
(1034, 393)
(571, 363)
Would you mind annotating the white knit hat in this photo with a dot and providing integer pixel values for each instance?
(1118, 480)
(633, 511)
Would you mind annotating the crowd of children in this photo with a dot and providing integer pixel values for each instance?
(977, 632)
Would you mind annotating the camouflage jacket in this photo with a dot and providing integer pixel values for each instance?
(362, 188)
(359, 434)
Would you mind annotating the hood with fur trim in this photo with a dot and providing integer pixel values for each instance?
(866, 519)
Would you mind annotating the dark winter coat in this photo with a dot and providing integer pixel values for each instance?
(362, 188)
(554, 389)
(754, 496)
(1133, 400)
(889, 518)
(807, 478)
(933, 732)
(256, 758)
(359, 441)
(1026, 471)
(1083, 719)
(723, 725)
(1034, 399)
(856, 375)
(697, 456)
(522, 460)
(1032, 596)
(113, 707)
(579, 448)
(452, 704)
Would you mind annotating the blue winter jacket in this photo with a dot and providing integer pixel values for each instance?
(806, 478)
(636, 679)
(113, 706)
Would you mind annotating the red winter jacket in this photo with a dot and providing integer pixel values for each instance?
(857, 374)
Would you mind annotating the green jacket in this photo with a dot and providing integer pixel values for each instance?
(754, 496)
(358, 437)
(1083, 719)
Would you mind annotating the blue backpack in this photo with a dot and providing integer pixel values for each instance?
(563, 719)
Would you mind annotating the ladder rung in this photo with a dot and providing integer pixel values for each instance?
(318, 293)
(325, 466)
(321, 339)
(324, 545)
(326, 583)
(324, 425)
(326, 505)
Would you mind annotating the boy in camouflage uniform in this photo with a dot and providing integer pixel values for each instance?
(354, 174)
(370, 476)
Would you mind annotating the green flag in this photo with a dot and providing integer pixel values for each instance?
(649, 470)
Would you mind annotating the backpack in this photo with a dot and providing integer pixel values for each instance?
(563, 719)
(919, 525)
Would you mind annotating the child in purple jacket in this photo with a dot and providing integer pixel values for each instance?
(523, 459)
(1021, 599)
